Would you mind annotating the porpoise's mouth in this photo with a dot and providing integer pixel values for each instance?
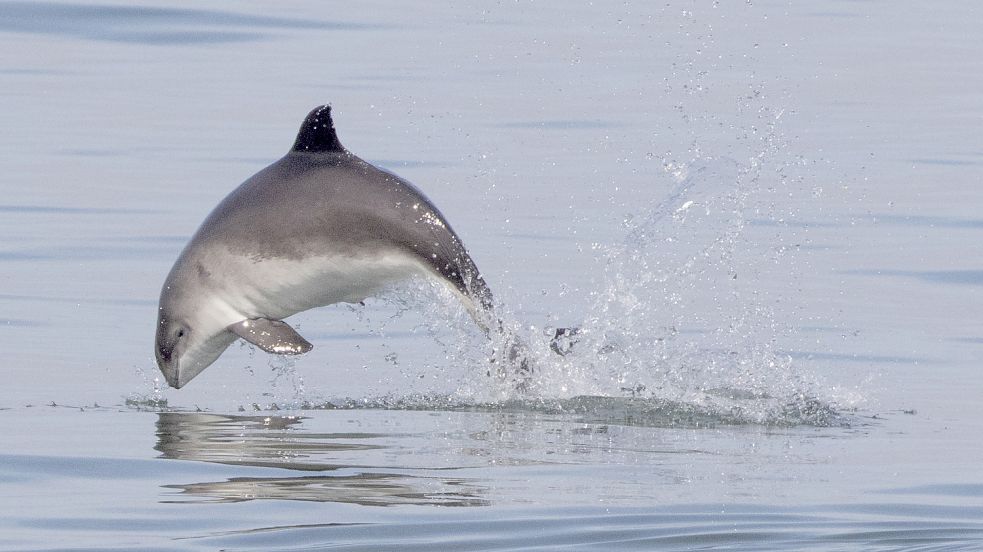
(171, 373)
(169, 366)
(185, 361)
(174, 379)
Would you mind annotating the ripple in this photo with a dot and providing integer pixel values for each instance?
(737, 527)
(954, 277)
(149, 25)
(627, 411)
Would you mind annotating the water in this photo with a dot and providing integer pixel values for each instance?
(763, 216)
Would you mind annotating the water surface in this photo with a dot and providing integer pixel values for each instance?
(763, 216)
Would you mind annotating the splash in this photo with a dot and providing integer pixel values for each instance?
(151, 400)
(681, 315)
(681, 322)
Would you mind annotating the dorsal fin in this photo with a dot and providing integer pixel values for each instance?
(317, 133)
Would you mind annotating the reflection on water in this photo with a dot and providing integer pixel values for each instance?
(613, 450)
(263, 441)
(366, 489)
(275, 442)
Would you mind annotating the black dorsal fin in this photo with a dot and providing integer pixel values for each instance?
(317, 134)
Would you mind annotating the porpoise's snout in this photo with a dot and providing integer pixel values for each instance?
(165, 349)
(168, 365)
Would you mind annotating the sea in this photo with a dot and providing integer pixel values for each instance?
(763, 217)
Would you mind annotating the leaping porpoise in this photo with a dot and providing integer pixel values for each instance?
(320, 226)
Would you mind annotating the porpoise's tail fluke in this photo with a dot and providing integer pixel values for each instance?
(512, 356)
(563, 340)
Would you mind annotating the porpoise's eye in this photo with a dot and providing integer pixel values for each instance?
(180, 333)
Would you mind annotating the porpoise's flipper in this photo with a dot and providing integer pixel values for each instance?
(272, 336)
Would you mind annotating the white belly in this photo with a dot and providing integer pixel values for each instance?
(278, 288)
